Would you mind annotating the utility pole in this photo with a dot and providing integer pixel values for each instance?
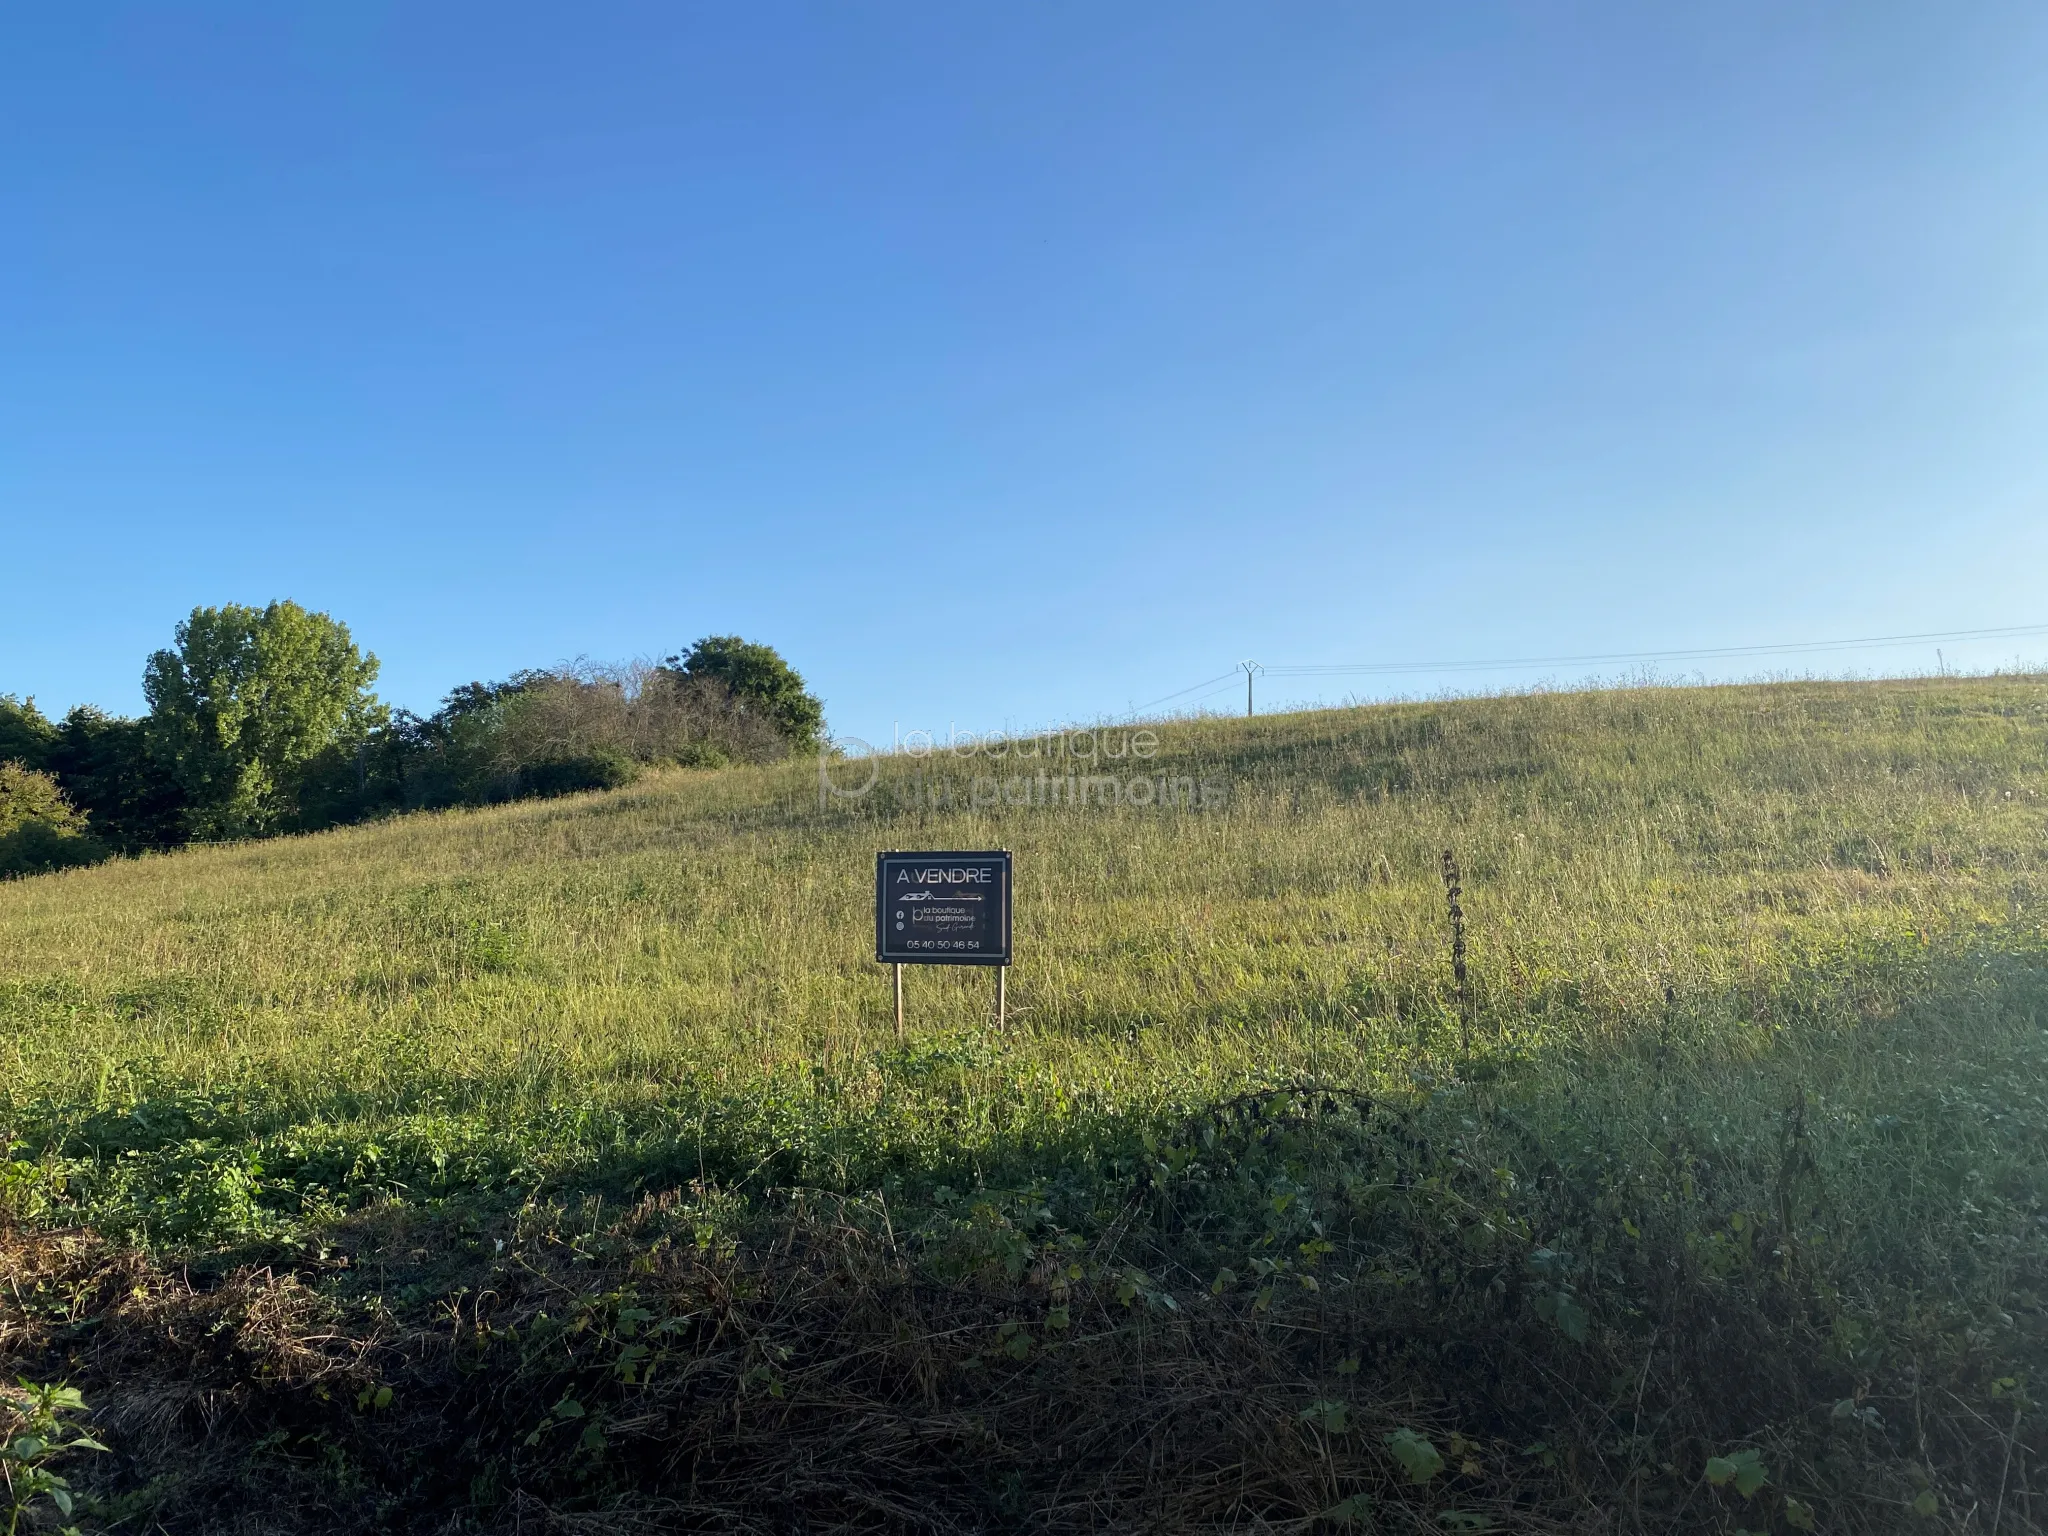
(1248, 668)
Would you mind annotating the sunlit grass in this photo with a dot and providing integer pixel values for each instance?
(1719, 855)
(1750, 1111)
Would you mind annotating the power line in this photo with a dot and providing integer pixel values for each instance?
(1224, 677)
(1702, 653)
(1228, 682)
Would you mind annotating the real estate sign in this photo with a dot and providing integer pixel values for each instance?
(942, 908)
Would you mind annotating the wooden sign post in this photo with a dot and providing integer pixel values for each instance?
(944, 909)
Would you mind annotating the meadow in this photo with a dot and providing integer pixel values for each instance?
(558, 1165)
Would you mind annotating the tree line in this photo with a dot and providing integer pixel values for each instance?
(262, 721)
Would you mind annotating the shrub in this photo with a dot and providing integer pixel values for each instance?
(33, 1434)
(39, 829)
(760, 683)
(25, 735)
(602, 769)
(569, 729)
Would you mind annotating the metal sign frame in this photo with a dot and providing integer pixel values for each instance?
(995, 861)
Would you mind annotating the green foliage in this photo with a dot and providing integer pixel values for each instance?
(39, 829)
(33, 1435)
(26, 796)
(25, 735)
(762, 682)
(1331, 1415)
(1555, 1299)
(245, 705)
(107, 770)
(261, 721)
(573, 773)
(537, 735)
(1743, 1469)
(547, 733)
(1416, 1455)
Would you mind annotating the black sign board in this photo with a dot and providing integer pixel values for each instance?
(942, 908)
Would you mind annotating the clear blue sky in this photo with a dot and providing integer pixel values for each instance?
(1010, 364)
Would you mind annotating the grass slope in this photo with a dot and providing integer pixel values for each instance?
(1736, 1147)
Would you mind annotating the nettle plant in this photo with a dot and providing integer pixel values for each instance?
(33, 1434)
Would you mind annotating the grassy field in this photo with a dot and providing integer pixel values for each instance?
(1715, 1201)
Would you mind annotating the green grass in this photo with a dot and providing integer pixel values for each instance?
(1759, 988)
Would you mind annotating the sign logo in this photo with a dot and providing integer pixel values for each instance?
(942, 908)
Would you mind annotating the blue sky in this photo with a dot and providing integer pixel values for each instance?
(1007, 365)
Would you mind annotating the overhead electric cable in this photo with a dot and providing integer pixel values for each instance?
(1229, 676)
(1702, 653)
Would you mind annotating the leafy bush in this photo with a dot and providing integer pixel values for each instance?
(601, 769)
(32, 1435)
(39, 829)
(25, 735)
(542, 733)
(759, 682)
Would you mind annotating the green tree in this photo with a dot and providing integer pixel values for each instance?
(246, 703)
(108, 771)
(39, 828)
(759, 681)
(25, 735)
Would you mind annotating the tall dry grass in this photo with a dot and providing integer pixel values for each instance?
(1741, 1107)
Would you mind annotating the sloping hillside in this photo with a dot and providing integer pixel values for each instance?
(579, 1131)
